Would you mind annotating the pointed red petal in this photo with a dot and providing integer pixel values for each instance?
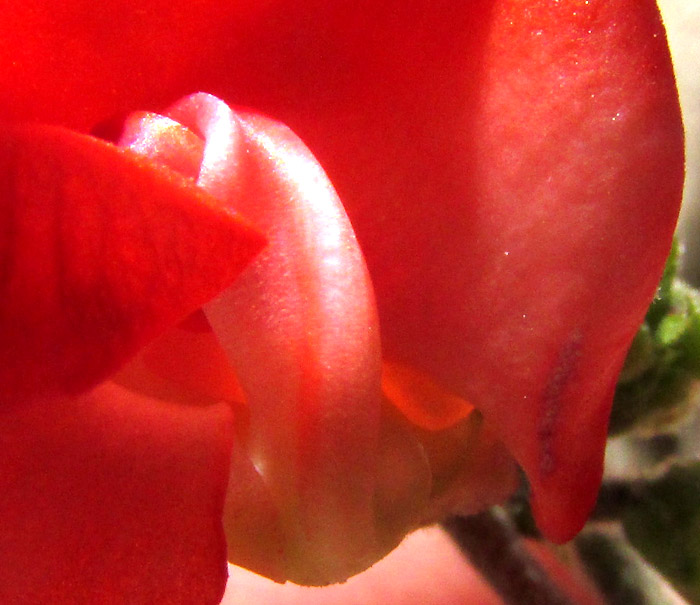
(518, 270)
(101, 251)
(113, 498)
(513, 172)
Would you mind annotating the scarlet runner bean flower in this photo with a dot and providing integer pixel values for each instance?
(512, 170)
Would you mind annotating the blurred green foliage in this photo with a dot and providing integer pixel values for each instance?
(663, 364)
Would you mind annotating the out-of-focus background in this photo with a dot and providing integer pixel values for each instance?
(682, 20)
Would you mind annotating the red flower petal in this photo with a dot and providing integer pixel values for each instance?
(513, 172)
(113, 498)
(455, 133)
(101, 252)
(76, 63)
(523, 291)
(421, 400)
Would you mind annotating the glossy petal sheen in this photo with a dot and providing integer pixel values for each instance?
(514, 193)
(100, 253)
(568, 199)
(300, 328)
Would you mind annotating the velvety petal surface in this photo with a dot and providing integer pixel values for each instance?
(514, 192)
(101, 252)
(571, 171)
(77, 63)
(512, 169)
(113, 498)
